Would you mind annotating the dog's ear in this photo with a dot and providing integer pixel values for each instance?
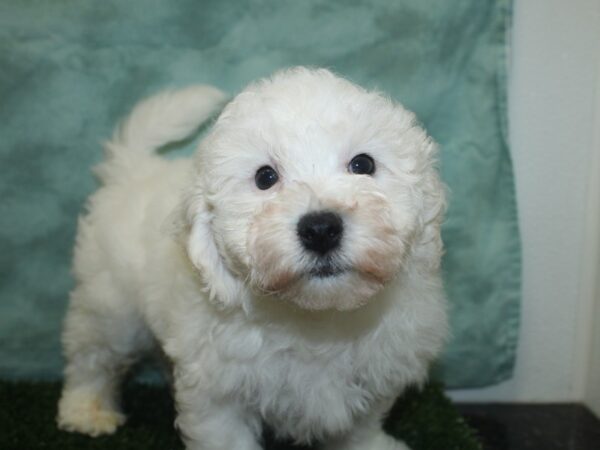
(429, 246)
(221, 285)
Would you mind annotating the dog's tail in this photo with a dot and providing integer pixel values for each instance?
(167, 117)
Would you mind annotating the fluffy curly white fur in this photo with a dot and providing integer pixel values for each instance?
(195, 259)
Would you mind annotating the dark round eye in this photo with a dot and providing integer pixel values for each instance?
(265, 177)
(362, 164)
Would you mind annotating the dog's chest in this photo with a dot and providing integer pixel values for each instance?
(303, 388)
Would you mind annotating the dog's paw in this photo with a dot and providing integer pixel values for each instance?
(87, 415)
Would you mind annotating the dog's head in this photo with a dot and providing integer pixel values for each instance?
(311, 189)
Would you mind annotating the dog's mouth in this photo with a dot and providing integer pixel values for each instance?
(326, 269)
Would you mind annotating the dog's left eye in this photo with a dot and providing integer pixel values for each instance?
(362, 164)
(265, 177)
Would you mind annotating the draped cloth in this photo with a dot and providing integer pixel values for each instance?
(70, 70)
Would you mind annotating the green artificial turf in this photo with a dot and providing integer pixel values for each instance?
(425, 419)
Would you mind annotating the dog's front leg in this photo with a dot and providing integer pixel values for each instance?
(209, 424)
(366, 434)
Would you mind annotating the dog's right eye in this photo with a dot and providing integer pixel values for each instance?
(265, 177)
(362, 164)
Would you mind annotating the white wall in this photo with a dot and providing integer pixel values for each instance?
(592, 385)
(554, 117)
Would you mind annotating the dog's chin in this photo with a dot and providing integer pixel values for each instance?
(329, 288)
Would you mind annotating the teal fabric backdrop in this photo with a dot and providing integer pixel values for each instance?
(70, 69)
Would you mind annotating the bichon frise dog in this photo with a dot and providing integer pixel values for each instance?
(290, 274)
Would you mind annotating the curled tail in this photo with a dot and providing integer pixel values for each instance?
(169, 116)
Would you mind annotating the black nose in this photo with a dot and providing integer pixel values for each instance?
(320, 232)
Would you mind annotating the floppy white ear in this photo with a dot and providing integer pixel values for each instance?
(429, 247)
(221, 285)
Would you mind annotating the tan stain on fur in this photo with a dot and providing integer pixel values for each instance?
(280, 281)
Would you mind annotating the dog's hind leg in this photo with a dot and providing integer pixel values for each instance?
(100, 345)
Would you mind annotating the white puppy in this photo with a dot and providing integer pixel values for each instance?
(290, 274)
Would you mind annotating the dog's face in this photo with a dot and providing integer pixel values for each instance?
(313, 190)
